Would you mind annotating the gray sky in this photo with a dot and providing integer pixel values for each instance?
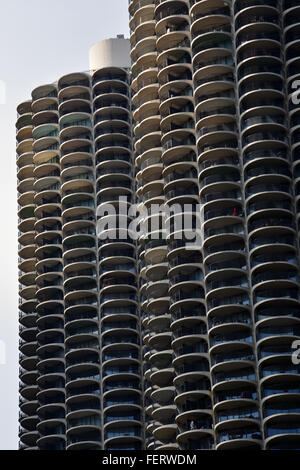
(40, 41)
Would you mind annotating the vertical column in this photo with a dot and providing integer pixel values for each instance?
(80, 263)
(152, 249)
(49, 283)
(27, 303)
(185, 268)
(278, 325)
(120, 341)
(268, 193)
(231, 346)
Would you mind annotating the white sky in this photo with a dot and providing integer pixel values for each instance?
(39, 42)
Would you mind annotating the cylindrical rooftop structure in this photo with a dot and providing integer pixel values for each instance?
(113, 52)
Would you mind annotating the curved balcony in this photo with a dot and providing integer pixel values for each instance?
(88, 421)
(84, 436)
(195, 428)
(124, 434)
(74, 79)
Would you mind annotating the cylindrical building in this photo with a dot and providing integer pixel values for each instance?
(213, 85)
(80, 365)
(156, 342)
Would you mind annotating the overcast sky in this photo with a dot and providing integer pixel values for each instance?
(39, 42)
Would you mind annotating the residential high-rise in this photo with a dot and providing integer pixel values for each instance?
(80, 336)
(217, 125)
(157, 343)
